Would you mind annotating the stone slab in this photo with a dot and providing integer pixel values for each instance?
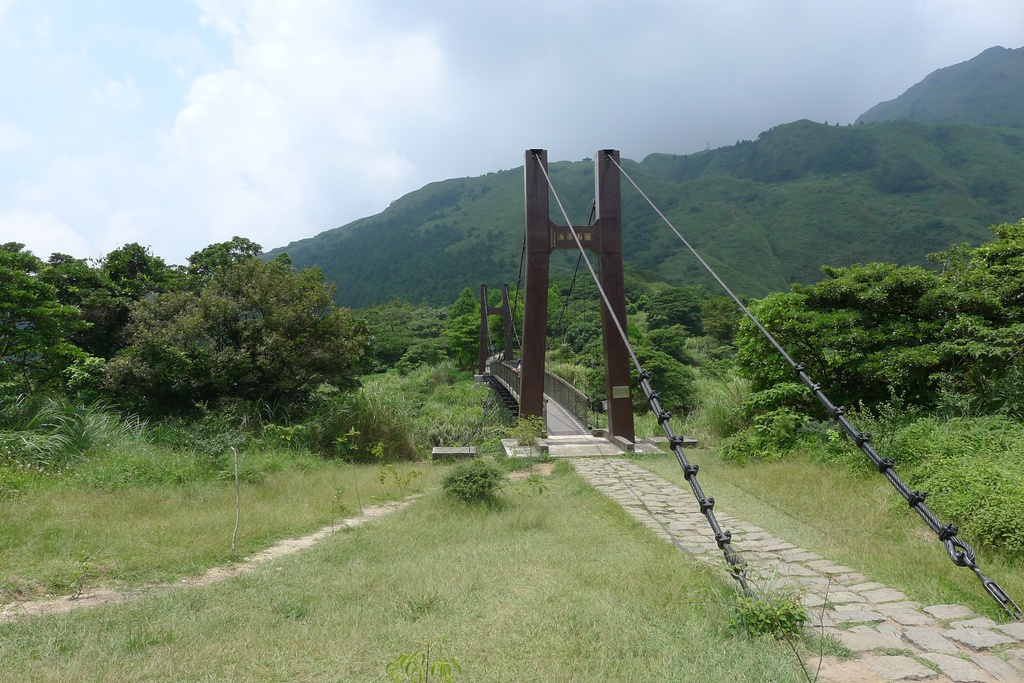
(958, 670)
(978, 638)
(899, 668)
(949, 612)
(997, 668)
(930, 640)
(884, 595)
(866, 642)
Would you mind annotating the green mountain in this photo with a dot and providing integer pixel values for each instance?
(985, 91)
(765, 213)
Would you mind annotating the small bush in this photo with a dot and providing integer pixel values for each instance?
(473, 482)
(528, 429)
(777, 615)
(771, 436)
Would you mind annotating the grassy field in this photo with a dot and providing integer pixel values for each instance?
(854, 518)
(560, 586)
(61, 539)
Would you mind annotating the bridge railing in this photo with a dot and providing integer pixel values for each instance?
(507, 374)
(566, 395)
(569, 397)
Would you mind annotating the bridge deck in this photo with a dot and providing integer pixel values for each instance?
(559, 421)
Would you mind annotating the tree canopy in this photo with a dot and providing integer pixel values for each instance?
(257, 331)
(872, 328)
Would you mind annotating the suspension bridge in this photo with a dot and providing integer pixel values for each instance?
(958, 643)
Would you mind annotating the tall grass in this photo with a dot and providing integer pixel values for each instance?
(541, 588)
(719, 411)
(124, 536)
(48, 432)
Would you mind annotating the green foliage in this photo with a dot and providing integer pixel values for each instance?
(351, 424)
(528, 429)
(972, 469)
(389, 472)
(721, 317)
(418, 667)
(719, 412)
(867, 328)
(257, 331)
(770, 436)
(673, 381)
(779, 615)
(676, 306)
(475, 481)
(49, 433)
(404, 336)
(219, 257)
(35, 327)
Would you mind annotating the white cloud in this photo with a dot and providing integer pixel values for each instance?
(13, 138)
(318, 112)
(302, 124)
(123, 94)
(42, 233)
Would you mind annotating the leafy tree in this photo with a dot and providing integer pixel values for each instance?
(672, 341)
(720, 317)
(257, 331)
(399, 331)
(104, 292)
(676, 306)
(133, 272)
(467, 303)
(462, 330)
(219, 257)
(35, 327)
(673, 381)
(926, 334)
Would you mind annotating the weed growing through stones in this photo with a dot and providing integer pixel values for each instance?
(426, 664)
(776, 614)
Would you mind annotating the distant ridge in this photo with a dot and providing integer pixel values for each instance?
(985, 91)
(765, 213)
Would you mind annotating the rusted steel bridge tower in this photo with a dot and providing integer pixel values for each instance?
(603, 237)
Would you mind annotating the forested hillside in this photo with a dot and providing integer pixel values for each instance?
(985, 91)
(766, 213)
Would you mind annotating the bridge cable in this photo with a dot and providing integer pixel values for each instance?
(519, 281)
(737, 567)
(960, 552)
(565, 304)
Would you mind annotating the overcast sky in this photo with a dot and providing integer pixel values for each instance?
(179, 123)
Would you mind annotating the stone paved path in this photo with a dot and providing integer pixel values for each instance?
(898, 639)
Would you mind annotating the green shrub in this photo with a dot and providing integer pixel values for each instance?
(771, 436)
(973, 469)
(473, 482)
(528, 429)
(778, 615)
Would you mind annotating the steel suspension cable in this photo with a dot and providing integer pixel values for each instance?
(519, 281)
(723, 539)
(960, 552)
(572, 283)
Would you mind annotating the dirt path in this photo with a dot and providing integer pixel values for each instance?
(41, 606)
